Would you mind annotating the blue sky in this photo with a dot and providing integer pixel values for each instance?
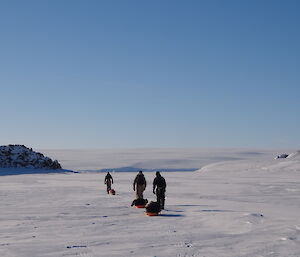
(106, 74)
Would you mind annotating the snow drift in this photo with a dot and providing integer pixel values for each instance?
(295, 155)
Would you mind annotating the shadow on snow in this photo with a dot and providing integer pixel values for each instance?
(170, 215)
(18, 171)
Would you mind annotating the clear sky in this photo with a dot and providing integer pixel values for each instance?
(159, 73)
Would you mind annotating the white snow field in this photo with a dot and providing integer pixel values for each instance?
(238, 203)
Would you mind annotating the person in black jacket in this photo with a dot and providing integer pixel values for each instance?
(108, 181)
(159, 183)
(139, 185)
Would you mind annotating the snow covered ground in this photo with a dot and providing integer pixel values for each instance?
(237, 203)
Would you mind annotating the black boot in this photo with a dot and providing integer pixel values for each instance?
(162, 204)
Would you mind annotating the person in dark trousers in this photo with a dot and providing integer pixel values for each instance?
(159, 183)
(139, 185)
(108, 181)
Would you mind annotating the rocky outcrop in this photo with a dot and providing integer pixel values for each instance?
(20, 156)
(282, 156)
(295, 155)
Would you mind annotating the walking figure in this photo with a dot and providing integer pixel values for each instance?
(108, 181)
(139, 185)
(159, 183)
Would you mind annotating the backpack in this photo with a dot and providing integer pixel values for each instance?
(139, 201)
(160, 182)
(140, 179)
(153, 207)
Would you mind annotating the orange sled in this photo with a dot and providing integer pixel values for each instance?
(112, 192)
(151, 213)
(139, 206)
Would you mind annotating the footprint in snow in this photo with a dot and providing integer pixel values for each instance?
(254, 218)
(76, 246)
(292, 238)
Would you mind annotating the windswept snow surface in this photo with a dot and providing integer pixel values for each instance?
(246, 204)
(173, 159)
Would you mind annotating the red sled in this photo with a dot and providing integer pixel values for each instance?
(112, 192)
(140, 206)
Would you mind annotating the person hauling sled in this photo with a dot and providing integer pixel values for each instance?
(139, 185)
(108, 181)
(159, 183)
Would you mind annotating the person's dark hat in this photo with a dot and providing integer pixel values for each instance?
(157, 173)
